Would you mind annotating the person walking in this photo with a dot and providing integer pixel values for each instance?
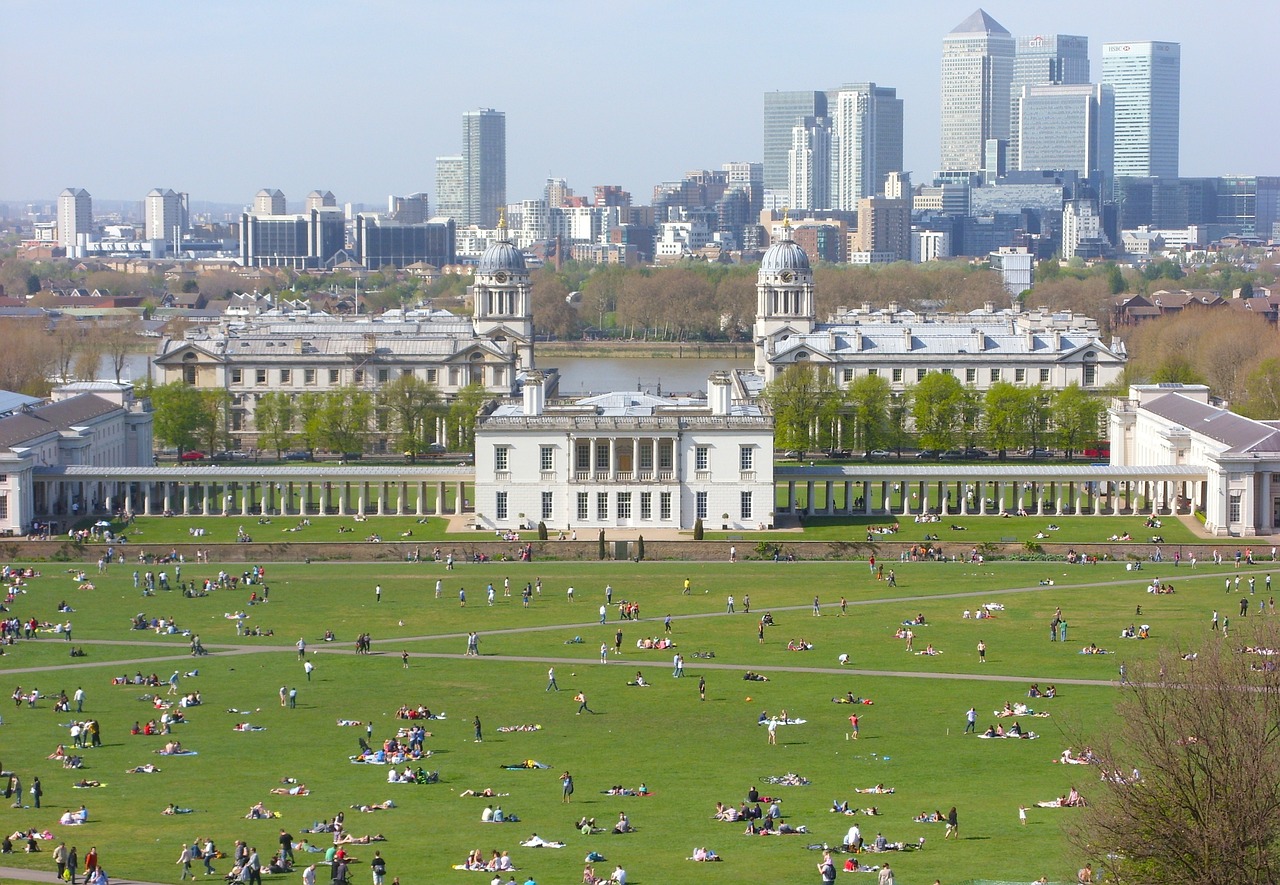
(404, 659)
(73, 863)
(679, 662)
(702, 688)
(604, 652)
(982, 652)
(827, 869)
(746, 603)
(729, 610)
(953, 824)
(817, 609)
(378, 867)
(551, 679)
(184, 861)
(60, 858)
(760, 631)
(853, 726)
(479, 736)
(566, 783)
(617, 642)
(773, 731)
(462, 597)
(78, 697)
(886, 875)
(603, 613)
(207, 854)
(286, 845)
(377, 593)
(666, 624)
(971, 721)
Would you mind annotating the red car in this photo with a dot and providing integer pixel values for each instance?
(192, 456)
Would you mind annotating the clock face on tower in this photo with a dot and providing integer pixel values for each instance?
(787, 276)
(500, 277)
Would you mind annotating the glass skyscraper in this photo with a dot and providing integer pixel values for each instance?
(484, 166)
(782, 112)
(1066, 127)
(1146, 78)
(1061, 59)
(866, 141)
(977, 71)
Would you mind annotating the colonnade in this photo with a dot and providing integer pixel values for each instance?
(623, 459)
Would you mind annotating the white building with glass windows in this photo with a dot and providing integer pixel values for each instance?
(626, 460)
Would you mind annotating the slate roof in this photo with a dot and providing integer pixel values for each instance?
(26, 426)
(1242, 435)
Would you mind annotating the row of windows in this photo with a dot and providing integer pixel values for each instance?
(622, 500)
(1020, 376)
(285, 376)
(700, 505)
(547, 458)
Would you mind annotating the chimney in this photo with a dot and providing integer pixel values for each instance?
(1057, 340)
(979, 341)
(534, 394)
(907, 339)
(857, 341)
(989, 306)
(893, 307)
(719, 393)
(1031, 340)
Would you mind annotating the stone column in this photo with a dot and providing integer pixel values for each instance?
(440, 499)
(906, 497)
(848, 496)
(808, 501)
(461, 504)
(362, 500)
(831, 498)
(791, 496)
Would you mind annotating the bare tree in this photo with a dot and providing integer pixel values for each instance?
(1190, 789)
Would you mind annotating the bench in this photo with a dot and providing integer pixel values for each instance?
(733, 537)
(1008, 540)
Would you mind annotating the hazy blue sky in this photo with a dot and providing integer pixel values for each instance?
(223, 97)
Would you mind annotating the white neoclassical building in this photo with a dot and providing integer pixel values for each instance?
(626, 460)
(1175, 424)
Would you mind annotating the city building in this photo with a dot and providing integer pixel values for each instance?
(782, 112)
(626, 460)
(1016, 268)
(484, 166)
(1082, 230)
(318, 199)
(1041, 348)
(306, 241)
(930, 245)
(1066, 127)
(268, 202)
(165, 217)
(75, 218)
(1044, 59)
(1146, 79)
(884, 226)
(381, 241)
(866, 141)
(413, 209)
(977, 72)
(809, 164)
(451, 188)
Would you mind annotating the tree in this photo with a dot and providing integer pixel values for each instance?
(178, 413)
(66, 344)
(1004, 405)
(25, 360)
(413, 403)
(1204, 737)
(211, 427)
(936, 406)
(1076, 416)
(119, 341)
(344, 416)
(311, 420)
(273, 418)
(463, 413)
(868, 400)
(799, 397)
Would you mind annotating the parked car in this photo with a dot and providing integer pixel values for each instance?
(838, 454)
(436, 449)
(193, 455)
(952, 455)
(297, 456)
(1040, 453)
(925, 454)
(976, 454)
(879, 453)
(231, 455)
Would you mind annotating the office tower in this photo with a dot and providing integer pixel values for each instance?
(1045, 58)
(164, 216)
(75, 216)
(884, 229)
(321, 200)
(381, 241)
(267, 202)
(897, 186)
(782, 110)
(809, 164)
(866, 141)
(1081, 230)
(413, 209)
(977, 70)
(484, 166)
(1066, 127)
(1146, 78)
(451, 188)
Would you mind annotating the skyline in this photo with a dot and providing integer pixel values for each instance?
(296, 98)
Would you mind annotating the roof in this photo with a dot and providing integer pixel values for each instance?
(980, 23)
(939, 339)
(784, 255)
(628, 404)
(25, 426)
(1242, 435)
(11, 401)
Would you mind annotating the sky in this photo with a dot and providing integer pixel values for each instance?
(224, 97)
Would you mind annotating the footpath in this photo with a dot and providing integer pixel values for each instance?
(17, 874)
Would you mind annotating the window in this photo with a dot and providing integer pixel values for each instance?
(453, 376)
(583, 458)
(431, 376)
(547, 458)
(745, 504)
(501, 458)
(602, 506)
(1090, 374)
(746, 457)
(286, 376)
(583, 499)
(920, 373)
(946, 371)
(700, 505)
(384, 375)
(848, 375)
(309, 376)
(970, 376)
(501, 509)
(624, 505)
(1233, 509)
(358, 376)
(237, 376)
(333, 376)
(646, 456)
(259, 376)
(664, 506)
(548, 501)
(1019, 376)
(897, 376)
(406, 373)
(666, 454)
(995, 375)
(602, 456)
(700, 458)
(1044, 376)
(873, 371)
(4, 506)
(646, 505)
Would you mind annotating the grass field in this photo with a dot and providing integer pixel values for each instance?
(689, 753)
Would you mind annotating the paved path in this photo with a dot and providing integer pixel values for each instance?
(18, 874)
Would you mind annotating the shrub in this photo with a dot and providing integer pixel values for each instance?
(603, 551)
(640, 548)
(697, 530)
(542, 531)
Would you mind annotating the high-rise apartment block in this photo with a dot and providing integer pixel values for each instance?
(319, 199)
(866, 141)
(1146, 78)
(977, 72)
(1060, 59)
(809, 164)
(75, 216)
(782, 112)
(267, 202)
(484, 166)
(165, 213)
(451, 188)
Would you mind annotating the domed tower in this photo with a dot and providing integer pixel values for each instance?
(784, 295)
(503, 299)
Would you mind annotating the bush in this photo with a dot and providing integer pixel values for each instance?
(697, 530)
(603, 551)
(542, 531)
(640, 548)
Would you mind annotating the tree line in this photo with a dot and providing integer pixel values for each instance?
(813, 413)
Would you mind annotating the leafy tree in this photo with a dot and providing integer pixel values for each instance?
(215, 407)
(936, 407)
(1004, 405)
(178, 413)
(1203, 736)
(1035, 416)
(413, 403)
(1076, 416)
(799, 397)
(311, 420)
(868, 400)
(462, 416)
(344, 415)
(120, 340)
(970, 415)
(899, 412)
(273, 418)
(1262, 390)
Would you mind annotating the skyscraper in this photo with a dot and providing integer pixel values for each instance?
(75, 216)
(866, 141)
(164, 216)
(484, 165)
(451, 188)
(1044, 58)
(977, 70)
(809, 164)
(1146, 78)
(782, 110)
(1066, 127)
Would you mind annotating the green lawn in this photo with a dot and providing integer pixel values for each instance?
(689, 753)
